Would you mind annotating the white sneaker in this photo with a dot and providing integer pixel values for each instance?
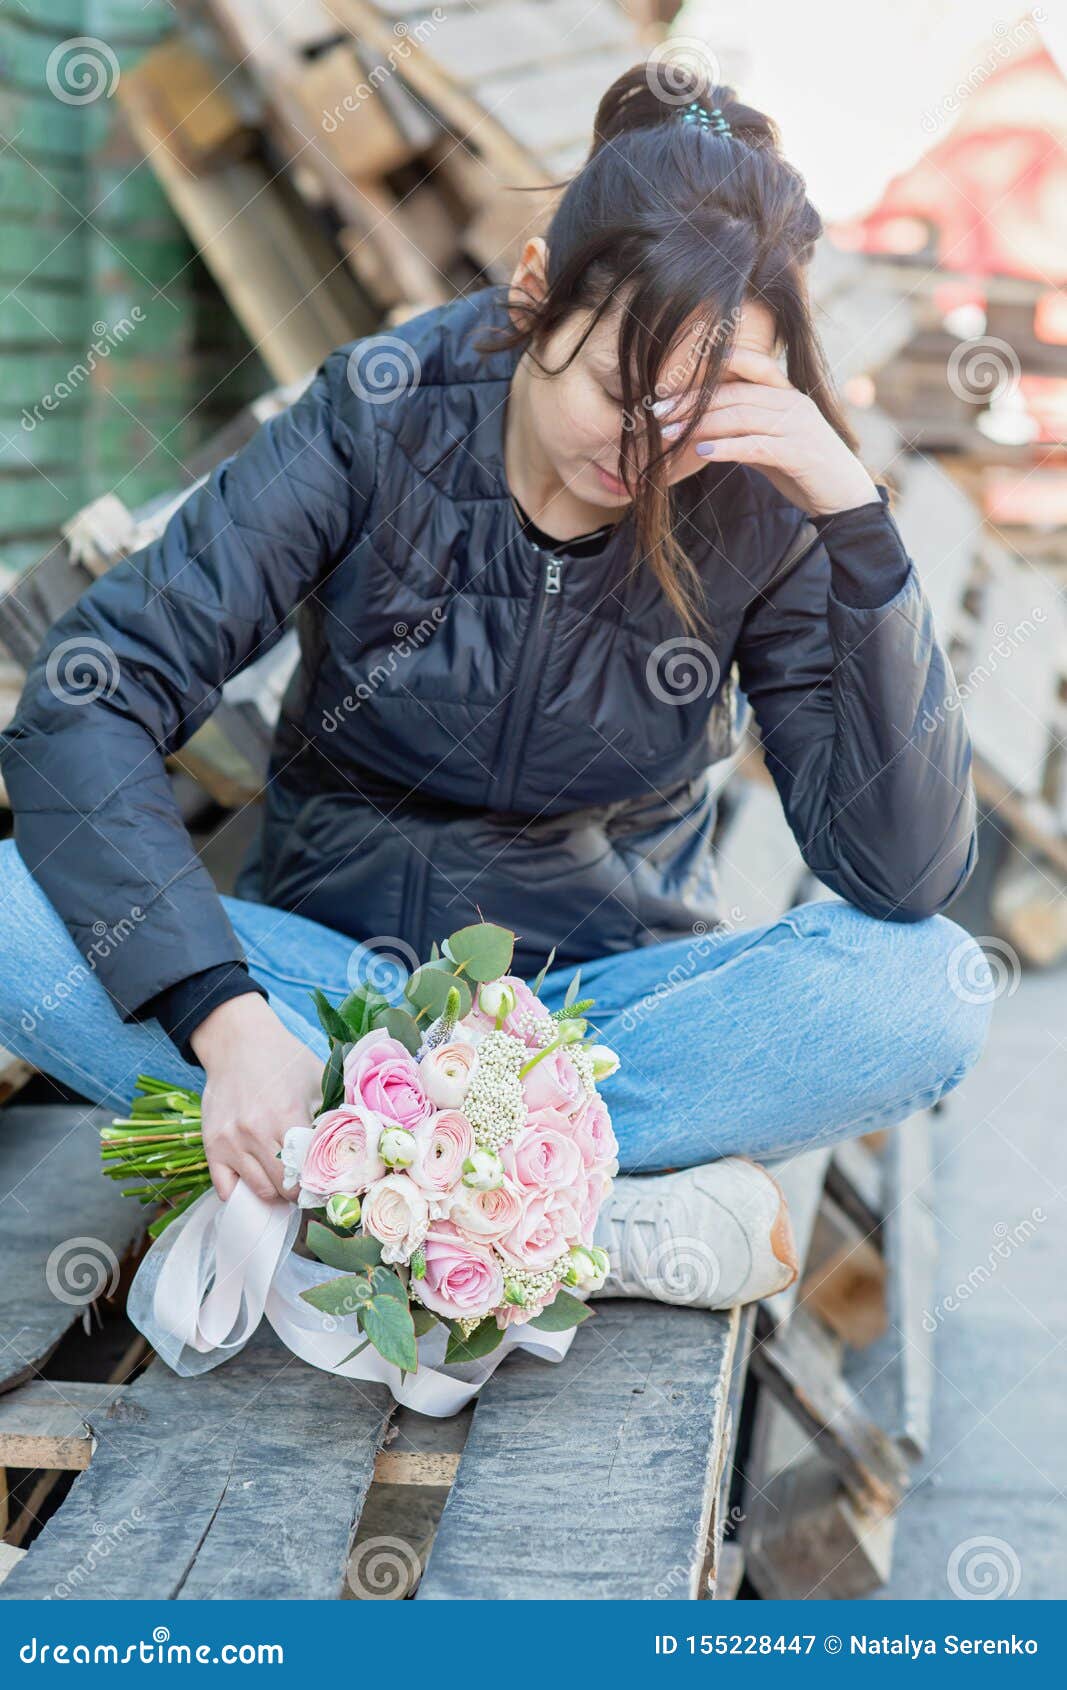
(711, 1236)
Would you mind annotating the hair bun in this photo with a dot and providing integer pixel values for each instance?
(659, 88)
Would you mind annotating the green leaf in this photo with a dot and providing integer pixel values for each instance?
(563, 1312)
(333, 1078)
(572, 989)
(400, 1025)
(352, 1353)
(429, 986)
(340, 1297)
(480, 1342)
(388, 1284)
(329, 1018)
(539, 982)
(351, 1254)
(359, 1007)
(423, 1320)
(388, 1324)
(434, 951)
(483, 950)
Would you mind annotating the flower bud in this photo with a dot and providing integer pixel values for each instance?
(343, 1211)
(396, 1147)
(514, 1294)
(496, 999)
(417, 1263)
(483, 1170)
(590, 1267)
(571, 1030)
(605, 1061)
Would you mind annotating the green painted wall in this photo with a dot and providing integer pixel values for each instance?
(117, 353)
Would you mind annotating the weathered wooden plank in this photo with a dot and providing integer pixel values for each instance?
(592, 1478)
(45, 1423)
(64, 1227)
(243, 1482)
(911, 1260)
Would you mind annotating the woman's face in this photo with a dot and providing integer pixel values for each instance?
(578, 415)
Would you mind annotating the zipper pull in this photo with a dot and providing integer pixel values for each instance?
(553, 575)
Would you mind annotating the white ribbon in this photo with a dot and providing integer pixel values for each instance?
(208, 1280)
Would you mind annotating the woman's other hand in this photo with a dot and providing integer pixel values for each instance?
(261, 1080)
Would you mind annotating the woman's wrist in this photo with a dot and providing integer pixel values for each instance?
(229, 1024)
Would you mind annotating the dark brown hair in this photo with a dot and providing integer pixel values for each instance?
(678, 226)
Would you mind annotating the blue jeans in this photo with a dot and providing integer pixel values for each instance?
(822, 1025)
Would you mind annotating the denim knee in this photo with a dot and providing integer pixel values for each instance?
(931, 981)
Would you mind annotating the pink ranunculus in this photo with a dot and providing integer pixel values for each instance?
(446, 1073)
(396, 1213)
(343, 1153)
(381, 1073)
(594, 1134)
(542, 1159)
(442, 1145)
(486, 1215)
(463, 1279)
(548, 1225)
(525, 1000)
(553, 1083)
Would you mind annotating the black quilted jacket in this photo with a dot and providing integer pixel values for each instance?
(473, 727)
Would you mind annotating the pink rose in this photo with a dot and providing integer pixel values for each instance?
(463, 1280)
(511, 1315)
(343, 1152)
(525, 1000)
(381, 1073)
(553, 1083)
(594, 1134)
(548, 1225)
(442, 1145)
(597, 1185)
(446, 1073)
(396, 1213)
(542, 1158)
(486, 1215)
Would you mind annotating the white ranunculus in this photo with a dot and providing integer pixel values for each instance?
(605, 1061)
(396, 1213)
(496, 998)
(397, 1147)
(343, 1211)
(447, 1071)
(483, 1170)
(292, 1153)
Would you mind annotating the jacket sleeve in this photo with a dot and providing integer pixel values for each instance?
(137, 665)
(858, 710)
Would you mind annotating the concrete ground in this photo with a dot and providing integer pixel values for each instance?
(987, 1515)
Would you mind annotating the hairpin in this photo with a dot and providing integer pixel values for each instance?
(714, 120)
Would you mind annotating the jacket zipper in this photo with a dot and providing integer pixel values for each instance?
(529, 671)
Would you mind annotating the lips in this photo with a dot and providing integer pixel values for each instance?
(612, 481)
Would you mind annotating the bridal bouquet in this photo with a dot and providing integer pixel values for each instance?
(453, 1175)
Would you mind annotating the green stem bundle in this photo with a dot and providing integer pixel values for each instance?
(160, 1145)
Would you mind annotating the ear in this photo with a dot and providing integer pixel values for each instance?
(529, 279)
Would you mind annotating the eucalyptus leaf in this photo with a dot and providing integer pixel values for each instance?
(388, 1324)
(399, 1025)
(484, 950)
(340, 1297)
(480, 1342)
(429, 986)
(352, 1254)
(388, 1284)
(563, 1312)
(424, 1320)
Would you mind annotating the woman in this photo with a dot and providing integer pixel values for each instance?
(499, 556)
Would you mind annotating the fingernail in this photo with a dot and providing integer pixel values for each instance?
(662, 406)
(705, 449)
(671, 430)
